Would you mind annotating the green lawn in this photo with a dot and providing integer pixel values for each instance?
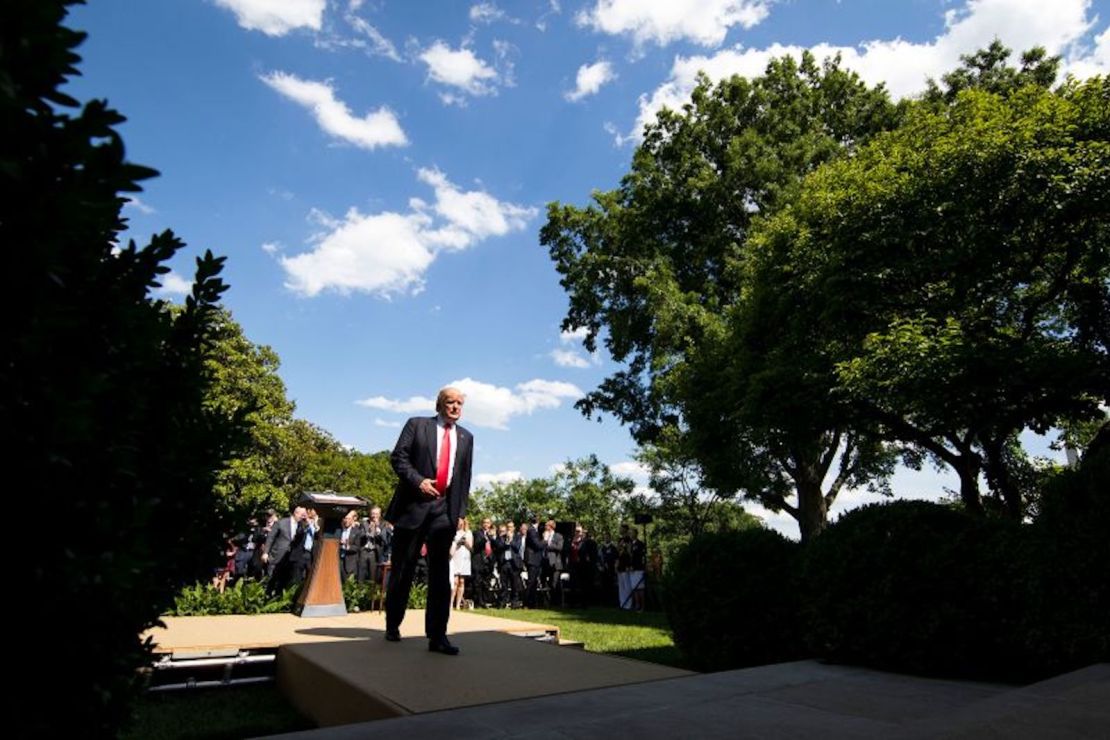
(215, 714)
(639, 635)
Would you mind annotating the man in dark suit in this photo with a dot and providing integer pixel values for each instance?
(433, 459)
(284, 538)
(533, 558)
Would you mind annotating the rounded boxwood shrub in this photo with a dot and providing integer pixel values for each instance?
(730, 599)
(1067, 622)
(918, 587)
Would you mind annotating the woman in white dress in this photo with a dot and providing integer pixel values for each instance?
(461, 550)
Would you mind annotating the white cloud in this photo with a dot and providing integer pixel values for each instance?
(277, 17)
(904, 66)
(1085, 63)
(489, 406)
(388, 253)
(132, 201)
(459, 69)
(373, 130)
(173, 285)
(572, 357)
(576, 335)
(271, 247)
(484, 479)
(569, 358)
(471, 215)
(553, 8)
(637, 471)
(379, 44)
(411, 405)
(590, 79)
(486, 13)
(704, 22)
(492, 406)
(389, 424)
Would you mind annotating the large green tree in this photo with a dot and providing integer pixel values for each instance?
(960, 269)
(285, 455)
(101, 390)
(651, 265)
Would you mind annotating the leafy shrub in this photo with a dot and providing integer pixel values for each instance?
(246, 596)
(918, 587)
(730, 599)
(418, 597)
(360, 597)
(103, 388)
(1066, 624)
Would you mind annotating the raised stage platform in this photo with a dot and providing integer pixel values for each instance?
(339, 670)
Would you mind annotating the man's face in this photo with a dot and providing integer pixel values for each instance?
(299, 514)
(578, 532)
(502, 532)
(349, 520)
(487, 524)
(452, 406)
(375, 515)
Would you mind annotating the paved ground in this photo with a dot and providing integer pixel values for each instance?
(805, 699)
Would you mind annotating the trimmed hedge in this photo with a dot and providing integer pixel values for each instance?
(1066, 623)
(918, 587)
(731, 600)
(910, 586)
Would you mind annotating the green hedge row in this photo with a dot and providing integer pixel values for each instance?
(909, 586)
(248, 596)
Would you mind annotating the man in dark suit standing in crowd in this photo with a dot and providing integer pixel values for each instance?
(285, 538)
(433, 459)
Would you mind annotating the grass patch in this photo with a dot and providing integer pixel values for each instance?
(215, 714)
(640, 635)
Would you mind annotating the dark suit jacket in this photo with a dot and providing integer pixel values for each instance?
(279, 541)
(414, 459)
(553, 552)
(533, 548)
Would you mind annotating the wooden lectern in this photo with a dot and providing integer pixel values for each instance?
(322, 594)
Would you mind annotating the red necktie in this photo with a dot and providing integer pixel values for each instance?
(444, 460)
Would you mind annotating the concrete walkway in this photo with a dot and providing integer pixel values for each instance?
(805, 699)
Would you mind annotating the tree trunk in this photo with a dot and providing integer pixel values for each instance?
(967, 466)
(999, 477)
(812, 511)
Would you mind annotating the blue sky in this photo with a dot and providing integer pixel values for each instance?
(376, 172)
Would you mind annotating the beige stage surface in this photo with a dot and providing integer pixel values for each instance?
(260, 631)
(339, 670)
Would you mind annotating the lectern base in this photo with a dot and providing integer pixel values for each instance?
(323, 610)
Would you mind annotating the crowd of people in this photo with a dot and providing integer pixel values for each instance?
(496, 565)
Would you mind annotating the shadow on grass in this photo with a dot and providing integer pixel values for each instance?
(667, 655)
(215, 714)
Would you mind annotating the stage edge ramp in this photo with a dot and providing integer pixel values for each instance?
(341, 682)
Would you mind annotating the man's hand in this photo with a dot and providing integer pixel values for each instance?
(265, 557)
(428, 487)
(459, 523)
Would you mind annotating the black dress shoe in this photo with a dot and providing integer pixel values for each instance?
(393, 635)
(442, 646)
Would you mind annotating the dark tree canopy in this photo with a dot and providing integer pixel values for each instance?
(101, 392)
(960, 267)
(650, 263)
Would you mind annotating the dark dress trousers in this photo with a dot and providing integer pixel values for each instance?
(418, 518)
